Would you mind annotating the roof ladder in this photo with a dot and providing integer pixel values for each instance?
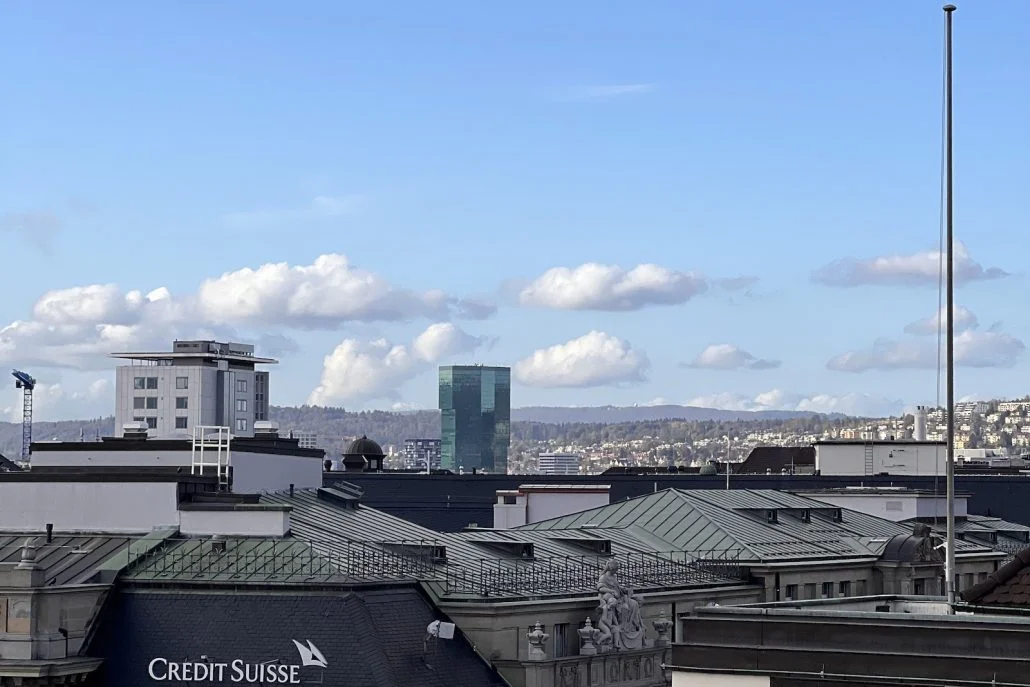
(869, 458)
(211, 453)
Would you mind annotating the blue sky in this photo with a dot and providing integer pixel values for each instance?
(446, 159)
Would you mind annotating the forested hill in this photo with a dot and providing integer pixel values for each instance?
(334, 426)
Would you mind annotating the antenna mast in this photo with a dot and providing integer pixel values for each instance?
(949, 566)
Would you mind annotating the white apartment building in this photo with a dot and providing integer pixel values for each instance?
(199, 383)
(558, 464)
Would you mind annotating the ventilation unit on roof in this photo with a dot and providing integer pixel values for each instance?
(838, 515)
(600, 547)
(806, 515)
(771, 516)
(521, 549)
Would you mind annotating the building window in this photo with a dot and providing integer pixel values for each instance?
(810, 591)
(180, 423)
(182, 382)
(151, 423)
(181, 402)
(151, 402)
(241, 425)
(561, 640)
(792, 592)
(981, 577)
(139, 419)
(139, 383)
(845, 588)
(241, 405)
(919, 587)
(151, 382)
(241, 386)
(827, 590)
(139, 402)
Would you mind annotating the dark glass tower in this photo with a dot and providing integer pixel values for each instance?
(475, 417)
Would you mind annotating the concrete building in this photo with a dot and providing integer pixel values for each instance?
(475, 418)
(888, 640)
(892, 457)
(198, 383)
(558, 463)
(536, 502)
(422, 453)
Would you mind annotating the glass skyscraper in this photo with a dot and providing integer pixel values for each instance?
(475, 417)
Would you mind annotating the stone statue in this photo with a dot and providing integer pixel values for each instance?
(619, 626)
(662, 627)
(929, 550)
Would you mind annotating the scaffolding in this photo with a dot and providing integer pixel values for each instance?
(211, 449)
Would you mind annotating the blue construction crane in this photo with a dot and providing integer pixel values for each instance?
(25, 382)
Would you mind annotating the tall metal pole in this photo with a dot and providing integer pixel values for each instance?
(949, 566)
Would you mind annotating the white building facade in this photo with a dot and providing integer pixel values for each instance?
(199, 383)
(558, 464)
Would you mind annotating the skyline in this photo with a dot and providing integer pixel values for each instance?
(720, 208)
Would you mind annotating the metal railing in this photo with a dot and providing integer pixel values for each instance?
(256, 560)
(280, 560)
(572, 574)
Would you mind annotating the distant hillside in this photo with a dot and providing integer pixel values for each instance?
(334, 426)
(615, 414)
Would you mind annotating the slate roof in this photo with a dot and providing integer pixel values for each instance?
(1008, 587)
(336, 540)
(774, 459)
(370, 637)
(739, 519)
(66, 559)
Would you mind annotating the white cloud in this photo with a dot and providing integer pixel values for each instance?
(56, 402)
(610, 288)
(324, 293)
(736, 283)
(78, 326)
(730, 357)
(917, 269)
(864, 405)
(610, 91)
(594, 359)
(360, 371)
(964, 319)
(320, 207)
(972, 349)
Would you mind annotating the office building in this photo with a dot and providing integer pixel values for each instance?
(558, 464)
(475, 417)
(422, 453)
(199, 383)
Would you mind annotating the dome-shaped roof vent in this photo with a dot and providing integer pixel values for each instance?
(363, 454)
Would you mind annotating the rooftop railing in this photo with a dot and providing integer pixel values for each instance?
(258, 560)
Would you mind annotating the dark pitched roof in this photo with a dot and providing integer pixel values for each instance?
(764, 459)
(370, 638)
(1008, 586)
(8, 465)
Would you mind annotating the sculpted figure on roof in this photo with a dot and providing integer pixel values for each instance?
(620, 625)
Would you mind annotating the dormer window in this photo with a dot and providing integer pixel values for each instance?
(771, 517)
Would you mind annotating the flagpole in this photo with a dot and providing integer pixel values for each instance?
(949, 566)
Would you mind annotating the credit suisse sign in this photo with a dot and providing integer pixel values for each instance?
(238, 670)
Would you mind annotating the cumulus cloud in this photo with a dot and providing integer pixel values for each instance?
(360, 371)
(328, 291)
(594, 359)
(917, 269)
(730, 357)
(54, 401)
(610, 288)
(319, 207)
(964, 319)
(972, 349)
(862, 405)
(77, 326)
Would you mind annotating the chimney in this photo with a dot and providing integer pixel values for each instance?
(135, 430)
(50, 533)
